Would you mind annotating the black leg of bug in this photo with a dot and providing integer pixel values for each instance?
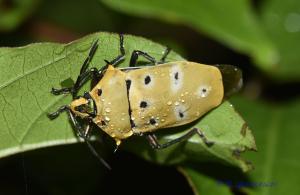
(120, 57)
(84, 135)
(55, 114)
(156, 145)
(135, 55)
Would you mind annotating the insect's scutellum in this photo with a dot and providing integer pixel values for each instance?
(141, 100)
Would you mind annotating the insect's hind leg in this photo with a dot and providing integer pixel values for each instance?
(152, 139)
(83, 76)
(136, 53)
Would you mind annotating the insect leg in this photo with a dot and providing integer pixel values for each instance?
(135, 55)
(85, 138)
(82, 78)
(120, 57)
(166, 53)
(156, 145)
(55, 114)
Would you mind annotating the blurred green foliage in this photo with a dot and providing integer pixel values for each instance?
(267, 32)
(14, 12)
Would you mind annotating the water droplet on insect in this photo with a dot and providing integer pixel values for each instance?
(156, 124)
(182, 95)
(186, 93)
(157, 118)
(102, 99)
(107, 118)
(162, 120)
(176, 103)
(109, 103)
(107, 110)
(169, 103)
(122, 119)
(132, 118)
(182, 101)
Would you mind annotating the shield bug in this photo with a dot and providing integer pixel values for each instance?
(139, 100)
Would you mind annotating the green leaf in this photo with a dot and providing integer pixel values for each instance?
(27, 76)
(29, 72)
(230, 22)
(13, 13)
(202, 184)
(276, 129)
(282, 22)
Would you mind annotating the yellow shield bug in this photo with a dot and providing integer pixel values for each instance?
(138, 100)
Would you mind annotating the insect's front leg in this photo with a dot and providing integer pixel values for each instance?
(153, 141)
(81, 80)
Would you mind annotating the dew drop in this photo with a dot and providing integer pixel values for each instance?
(176, 103)
(107, 118)
(169, 103)
(107, 110)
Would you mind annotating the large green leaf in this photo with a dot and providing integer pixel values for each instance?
(231, 22)
(29, 72)
(276, 130)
